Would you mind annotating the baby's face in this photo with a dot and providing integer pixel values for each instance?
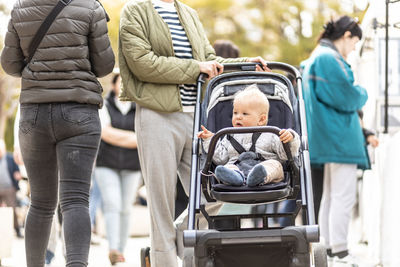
(245, 114)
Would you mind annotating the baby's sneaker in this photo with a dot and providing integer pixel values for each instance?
(228, 176)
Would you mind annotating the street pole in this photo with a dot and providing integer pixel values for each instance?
(387, 65)
(387, 68)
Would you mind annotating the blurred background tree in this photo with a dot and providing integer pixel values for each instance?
(277, 30)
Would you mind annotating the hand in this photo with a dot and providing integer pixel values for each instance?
(211, 68)
(373, 141)
(262, 61)
(205, 133)
(17, 176)
(285, 136)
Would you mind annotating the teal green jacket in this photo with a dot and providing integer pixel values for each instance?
(331, 101)
(150, 72)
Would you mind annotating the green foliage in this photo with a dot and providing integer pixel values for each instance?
(9, 134)
(270, 28)
(114, 8)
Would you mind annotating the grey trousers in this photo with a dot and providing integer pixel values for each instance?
(164, 146)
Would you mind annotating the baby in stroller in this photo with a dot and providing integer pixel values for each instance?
(252, 159)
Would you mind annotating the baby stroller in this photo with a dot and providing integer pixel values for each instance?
(228, 241)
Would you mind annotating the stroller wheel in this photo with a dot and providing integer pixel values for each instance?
(145, 257)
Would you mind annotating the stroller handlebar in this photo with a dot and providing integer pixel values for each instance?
(229, 67)
(242, 66)
(251, 66)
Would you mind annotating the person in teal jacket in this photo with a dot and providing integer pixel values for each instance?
(334, 132)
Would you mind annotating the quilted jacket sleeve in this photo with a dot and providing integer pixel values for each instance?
(12, 58)
(143, 62)
(101, 54)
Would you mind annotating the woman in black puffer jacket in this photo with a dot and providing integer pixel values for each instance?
(59, 126)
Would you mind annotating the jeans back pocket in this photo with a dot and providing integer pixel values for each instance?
(78, 113)
(28, 117)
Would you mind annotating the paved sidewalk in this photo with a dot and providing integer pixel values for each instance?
(98, 256)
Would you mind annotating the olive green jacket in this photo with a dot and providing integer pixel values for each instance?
(150, 72)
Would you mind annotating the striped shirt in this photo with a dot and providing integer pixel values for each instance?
(182, 48)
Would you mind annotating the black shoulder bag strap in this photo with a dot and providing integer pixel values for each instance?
(37, 39)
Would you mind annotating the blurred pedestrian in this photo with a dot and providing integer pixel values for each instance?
(163, 48)
(59, 128)
(9, 178)
(335, 136)
(226, 49)
(95, 203)
(117, 171)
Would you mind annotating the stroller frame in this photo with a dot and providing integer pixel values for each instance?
(226, 234)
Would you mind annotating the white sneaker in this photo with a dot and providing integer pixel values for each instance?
(95, 239)
(349, 261)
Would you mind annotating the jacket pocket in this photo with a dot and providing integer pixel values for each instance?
(28, 117)
(78, 113)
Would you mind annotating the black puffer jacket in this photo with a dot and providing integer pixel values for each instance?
(74, 51)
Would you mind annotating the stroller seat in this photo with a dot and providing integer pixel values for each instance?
(241, 194)
(217, 114)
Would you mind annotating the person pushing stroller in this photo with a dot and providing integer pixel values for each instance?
(252, 159)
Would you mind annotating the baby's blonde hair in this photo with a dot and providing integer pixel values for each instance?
(253, 94)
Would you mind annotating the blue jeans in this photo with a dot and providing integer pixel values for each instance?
(118, 190)
(59, 143)
(94, 201)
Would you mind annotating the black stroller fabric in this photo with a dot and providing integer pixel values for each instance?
(261, 255)
(220, 116)
(280, 115)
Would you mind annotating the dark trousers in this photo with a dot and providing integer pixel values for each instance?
(59, 143)
(317, 174)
